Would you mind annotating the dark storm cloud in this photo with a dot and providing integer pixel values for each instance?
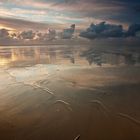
(133, 29)
(123, 11)
(104, 30)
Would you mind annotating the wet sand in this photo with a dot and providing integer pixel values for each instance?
(69, 94)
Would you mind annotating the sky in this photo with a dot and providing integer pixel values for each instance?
(40, 14)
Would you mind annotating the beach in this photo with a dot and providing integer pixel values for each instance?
(69, 92)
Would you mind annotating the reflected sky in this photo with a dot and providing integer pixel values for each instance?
(85, 55)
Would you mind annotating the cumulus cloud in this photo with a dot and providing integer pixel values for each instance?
(27, 35)
(102, 30)
(68, 33)
(133, 29)
(49, 35)
(6, 38)
(4, 33)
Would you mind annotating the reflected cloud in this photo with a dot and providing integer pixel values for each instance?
(111, 57)
(28, 56)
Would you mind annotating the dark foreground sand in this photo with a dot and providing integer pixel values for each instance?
(69, 101)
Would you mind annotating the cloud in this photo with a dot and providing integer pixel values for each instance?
(68, 33)
(102, 30)
(21, 25)
(38, 14)
(49, 35)
(133, 29)
(4, 33)
(27, 35)
(113, 10)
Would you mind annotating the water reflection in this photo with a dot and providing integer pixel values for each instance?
(111, 57)
(70, 55)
